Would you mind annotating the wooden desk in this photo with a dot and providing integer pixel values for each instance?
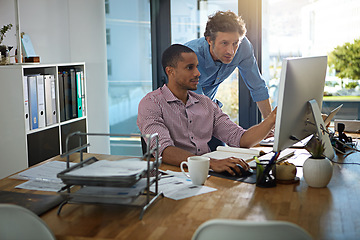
(326, 213)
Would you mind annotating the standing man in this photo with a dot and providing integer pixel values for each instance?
(186, 121)
(223, 48)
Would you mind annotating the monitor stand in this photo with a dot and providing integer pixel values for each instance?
(321, 129)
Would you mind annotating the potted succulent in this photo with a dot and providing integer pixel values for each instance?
(317, 168)
(4, 50)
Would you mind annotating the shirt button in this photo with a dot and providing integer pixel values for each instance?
(190, 121)
(198, 150)
(192, 137)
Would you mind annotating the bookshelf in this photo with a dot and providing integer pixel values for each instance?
(23, 145)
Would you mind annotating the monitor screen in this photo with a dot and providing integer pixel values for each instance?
(302, 79)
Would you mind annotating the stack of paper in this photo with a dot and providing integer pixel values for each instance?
(226, 152)
(107, 168)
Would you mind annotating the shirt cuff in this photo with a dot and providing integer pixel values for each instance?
(260, 95)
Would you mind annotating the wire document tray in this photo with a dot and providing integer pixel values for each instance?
(124, 182)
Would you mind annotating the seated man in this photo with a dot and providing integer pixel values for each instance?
(186, 121)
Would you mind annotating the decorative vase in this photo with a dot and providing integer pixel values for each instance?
(5, 56)
(317, 172)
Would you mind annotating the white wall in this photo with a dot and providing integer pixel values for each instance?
(69, 31)
(88, 43)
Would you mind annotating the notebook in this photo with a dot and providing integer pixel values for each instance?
(37, 203)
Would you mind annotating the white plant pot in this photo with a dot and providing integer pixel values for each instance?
(317, 172)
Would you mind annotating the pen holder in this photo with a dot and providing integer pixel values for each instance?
(265, 174)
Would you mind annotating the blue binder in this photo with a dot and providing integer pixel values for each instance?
(32, 86)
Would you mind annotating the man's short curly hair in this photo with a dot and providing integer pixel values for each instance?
(224, 22)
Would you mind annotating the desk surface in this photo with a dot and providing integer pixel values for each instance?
(326, 213)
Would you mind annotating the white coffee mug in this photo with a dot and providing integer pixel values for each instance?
(198, 169)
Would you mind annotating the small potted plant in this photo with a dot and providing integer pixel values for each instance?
(317, 168)
(4, 50)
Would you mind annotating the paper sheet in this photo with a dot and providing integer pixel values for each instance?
(107, 168)
(179, 188)
(41, 185)
(45, 172)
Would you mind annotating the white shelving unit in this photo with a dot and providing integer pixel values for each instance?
(21, 148)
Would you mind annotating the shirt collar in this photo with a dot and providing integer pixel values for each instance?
(209, 61)
(170, 97)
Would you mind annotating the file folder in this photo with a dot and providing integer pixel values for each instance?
(83, 93)
(74, 112)
(33, 109)
(41, 100)
(67, 96)
(61, 96)
(50, 99)
(26, 104)
(79, 94)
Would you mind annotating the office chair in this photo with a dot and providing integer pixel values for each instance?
(229, 229)
(143, 146)
(17, 222)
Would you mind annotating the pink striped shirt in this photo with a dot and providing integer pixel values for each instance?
(189, 127)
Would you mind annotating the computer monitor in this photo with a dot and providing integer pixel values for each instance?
(300, 98)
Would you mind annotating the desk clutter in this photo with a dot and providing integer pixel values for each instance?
(299, 203)
(124, 182)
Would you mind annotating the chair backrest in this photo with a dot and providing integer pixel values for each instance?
(17, 222)
(226, 229)
(143, 146)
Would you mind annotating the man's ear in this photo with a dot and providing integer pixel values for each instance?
(169, 70)
(208, 40)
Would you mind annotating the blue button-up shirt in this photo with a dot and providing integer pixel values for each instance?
(213, 72)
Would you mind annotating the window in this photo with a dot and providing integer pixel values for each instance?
(129, 69)
(188, 21)
(309, 28)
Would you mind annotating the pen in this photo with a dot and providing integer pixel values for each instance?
(268, 166)
(261, 168)
(166, 176)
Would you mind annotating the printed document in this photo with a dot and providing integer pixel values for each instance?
(179, 188)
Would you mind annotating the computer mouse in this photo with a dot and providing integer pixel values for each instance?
(243, 172)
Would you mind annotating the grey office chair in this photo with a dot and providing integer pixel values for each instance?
(230, 229)
(17, 222)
